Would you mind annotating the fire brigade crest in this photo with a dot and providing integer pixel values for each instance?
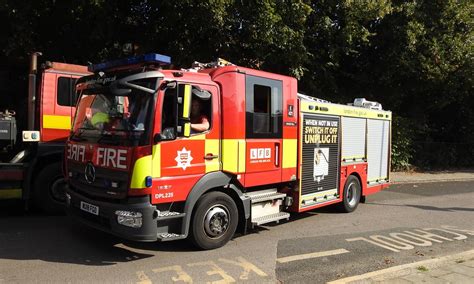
(183, 158)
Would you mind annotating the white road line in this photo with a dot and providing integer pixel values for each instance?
(311, 255)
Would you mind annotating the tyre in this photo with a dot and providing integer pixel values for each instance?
(50, 189)
(351, 195)
(214, 221)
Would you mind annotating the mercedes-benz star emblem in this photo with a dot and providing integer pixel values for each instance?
(89, 173)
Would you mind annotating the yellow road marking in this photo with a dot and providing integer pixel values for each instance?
(311, 255)
(143, 278)
(181, 274)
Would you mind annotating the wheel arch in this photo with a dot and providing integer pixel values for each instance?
(44, 156)
(215, 181)
(363, 186)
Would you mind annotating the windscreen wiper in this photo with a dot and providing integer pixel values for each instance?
(112, 137)
(76, 136)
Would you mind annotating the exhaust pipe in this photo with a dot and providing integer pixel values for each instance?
(32, 89)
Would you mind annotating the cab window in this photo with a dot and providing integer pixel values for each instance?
(66, 96)
(171, 112)
(263, 107)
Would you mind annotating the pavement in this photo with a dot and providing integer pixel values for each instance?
(455, 268)
(432, 176)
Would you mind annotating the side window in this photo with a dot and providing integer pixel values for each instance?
(66, 96)
(169, 117)
(200, 112)
(263, 107)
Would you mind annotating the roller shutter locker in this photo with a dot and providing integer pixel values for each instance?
(377, 149)
(353, 137)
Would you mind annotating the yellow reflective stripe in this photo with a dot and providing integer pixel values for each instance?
(353, 157)
(11, 193)
(146, 166)
(343, 110)
(242, 154)
(233, 155)
(311, 196)
(57, 122)
(141, 170)
(156, 161)
(187, 129)
(300, 156)
(186, 100)
(378, 179)
(212, 147)
(290, 150)
(197, 137)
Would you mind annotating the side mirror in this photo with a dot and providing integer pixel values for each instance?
(156, 138)
(165, 135)
(184, 99)
(116, 91)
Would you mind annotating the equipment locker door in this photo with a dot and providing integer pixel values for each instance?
(263, 130)
(320, 159)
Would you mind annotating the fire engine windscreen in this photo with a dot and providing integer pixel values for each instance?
(109, 118)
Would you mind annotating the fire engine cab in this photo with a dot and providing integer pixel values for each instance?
(33, 131)
(137, 168)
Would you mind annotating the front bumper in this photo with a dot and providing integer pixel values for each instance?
(107, 220)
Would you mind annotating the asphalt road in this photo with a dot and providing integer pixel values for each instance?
(403, 224)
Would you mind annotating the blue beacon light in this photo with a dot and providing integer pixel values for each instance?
(148, 181)
(153, 58)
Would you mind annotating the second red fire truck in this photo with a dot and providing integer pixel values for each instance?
(136, 168)
(33, 130)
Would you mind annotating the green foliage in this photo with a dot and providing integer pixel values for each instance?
(413, 56)
(402, 143)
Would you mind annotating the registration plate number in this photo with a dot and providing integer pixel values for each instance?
(89, 208)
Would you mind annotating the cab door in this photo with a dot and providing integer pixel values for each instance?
(58, 100)
(185, 157)
(264, 131)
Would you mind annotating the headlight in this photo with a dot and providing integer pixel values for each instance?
(129, 218)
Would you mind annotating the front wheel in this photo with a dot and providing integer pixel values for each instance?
(351, 195)
(214, 221)
(50, 189)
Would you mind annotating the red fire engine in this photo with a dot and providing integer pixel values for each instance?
(30, 167)
(136, 168)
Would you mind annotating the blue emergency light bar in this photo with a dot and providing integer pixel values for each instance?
(151, 58)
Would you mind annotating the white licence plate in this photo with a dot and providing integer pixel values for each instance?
(89, 208)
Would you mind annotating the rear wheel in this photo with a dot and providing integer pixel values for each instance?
(351, 195)
(50, 189)
(214, 221)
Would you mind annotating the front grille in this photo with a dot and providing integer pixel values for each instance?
(101, 187)
(97, 197)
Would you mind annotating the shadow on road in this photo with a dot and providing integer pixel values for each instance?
(33, 235)
(55, 239)
(426, 207)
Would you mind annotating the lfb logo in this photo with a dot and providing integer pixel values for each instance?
(260, 153)
(183, 158)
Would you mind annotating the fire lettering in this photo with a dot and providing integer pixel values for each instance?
(109, 157)
(76, 152)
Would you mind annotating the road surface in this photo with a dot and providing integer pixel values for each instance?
(403, 224)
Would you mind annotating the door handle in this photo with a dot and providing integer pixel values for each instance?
(211, 156)
(277, 154)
